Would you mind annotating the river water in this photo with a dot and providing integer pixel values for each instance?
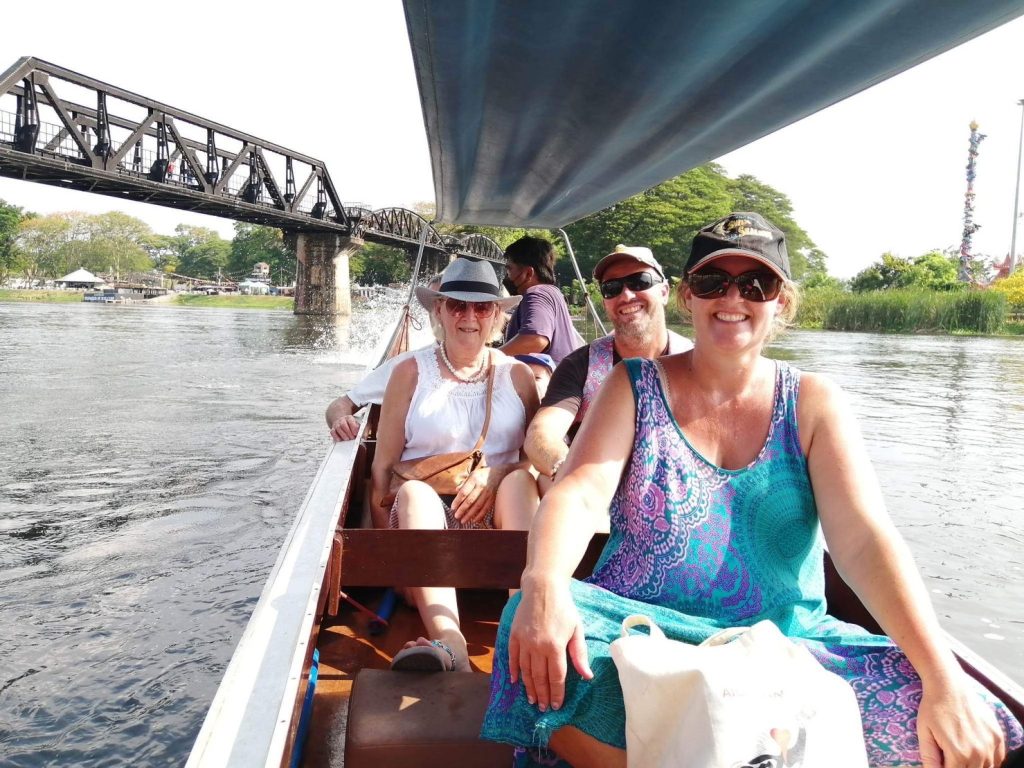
(152, 459)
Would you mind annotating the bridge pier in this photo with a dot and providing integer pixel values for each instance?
(321, 272)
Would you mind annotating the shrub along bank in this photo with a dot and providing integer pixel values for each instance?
(50, 297)
(904, 311)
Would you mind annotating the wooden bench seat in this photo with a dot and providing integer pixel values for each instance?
(406, 719)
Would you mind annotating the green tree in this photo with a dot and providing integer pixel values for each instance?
(823, 281)
(10, 258)
(749, 194)
(890, 271)
(200, 252)
(115, 242)
(664, 218)
(43, 243)
(937, 271)
(252, 244)
(161, 252)
(379, 265)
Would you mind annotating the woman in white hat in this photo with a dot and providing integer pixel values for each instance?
(436, 403)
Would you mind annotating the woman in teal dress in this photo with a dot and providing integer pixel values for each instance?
(723, 472)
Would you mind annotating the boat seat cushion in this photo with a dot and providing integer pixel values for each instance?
(410, 719)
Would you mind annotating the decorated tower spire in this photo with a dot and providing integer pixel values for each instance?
(966, 259)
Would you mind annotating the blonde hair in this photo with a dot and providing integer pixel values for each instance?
(789, 296)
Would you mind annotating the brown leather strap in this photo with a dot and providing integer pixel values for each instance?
(490, 390)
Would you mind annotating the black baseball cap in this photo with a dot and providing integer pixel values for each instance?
(743, 233)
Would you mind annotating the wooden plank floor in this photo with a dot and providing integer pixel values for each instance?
(346, 646)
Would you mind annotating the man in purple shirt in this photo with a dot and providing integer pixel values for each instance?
(541, 322)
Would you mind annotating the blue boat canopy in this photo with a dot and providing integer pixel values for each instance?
(540, 112)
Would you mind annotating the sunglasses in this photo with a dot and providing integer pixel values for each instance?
(756, 285)
(459, 307)
(638, 281)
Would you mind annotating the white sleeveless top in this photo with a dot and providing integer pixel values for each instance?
(447, 416)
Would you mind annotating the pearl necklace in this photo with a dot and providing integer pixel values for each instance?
(472, 379)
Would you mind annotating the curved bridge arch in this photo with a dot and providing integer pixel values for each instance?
(481, 247)
(387, 225)
(403, 225)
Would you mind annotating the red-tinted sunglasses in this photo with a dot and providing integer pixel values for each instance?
(756, 285)
(459, 307)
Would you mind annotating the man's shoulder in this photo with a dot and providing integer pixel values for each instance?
(579, 356)
(566, 386)
(544, 292)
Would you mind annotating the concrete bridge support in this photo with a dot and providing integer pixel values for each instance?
(321, 272)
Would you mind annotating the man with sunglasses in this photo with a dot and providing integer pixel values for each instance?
(635, 292)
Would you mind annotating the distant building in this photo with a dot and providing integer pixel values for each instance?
(261, 272)
(80, 278)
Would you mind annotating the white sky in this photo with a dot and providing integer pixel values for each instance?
(884, 170)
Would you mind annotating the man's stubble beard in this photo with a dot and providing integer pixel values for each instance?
(640, 334)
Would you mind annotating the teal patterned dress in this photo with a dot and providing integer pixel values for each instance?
(700, 548)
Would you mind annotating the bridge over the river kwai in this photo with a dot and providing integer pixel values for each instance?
(62, 128)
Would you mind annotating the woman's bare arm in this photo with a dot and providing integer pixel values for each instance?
(547, 624)
(875, 561)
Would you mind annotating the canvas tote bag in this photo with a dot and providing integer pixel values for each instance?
(746, 697)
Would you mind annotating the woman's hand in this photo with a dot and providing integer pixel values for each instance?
(957, 729)
(344, 428)
(476, 496)
(545, 627)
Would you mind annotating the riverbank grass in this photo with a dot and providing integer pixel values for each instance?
(49, 297)
(235, 301)
(905, 311)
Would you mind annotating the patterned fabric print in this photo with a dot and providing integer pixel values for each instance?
(727, 544)
(450, 522)
(888, 691)
(600, 359)
(729, 548)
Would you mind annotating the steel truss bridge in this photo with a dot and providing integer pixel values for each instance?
(62, 128)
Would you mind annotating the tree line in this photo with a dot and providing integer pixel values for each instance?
(664, 218)
(46, 247)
